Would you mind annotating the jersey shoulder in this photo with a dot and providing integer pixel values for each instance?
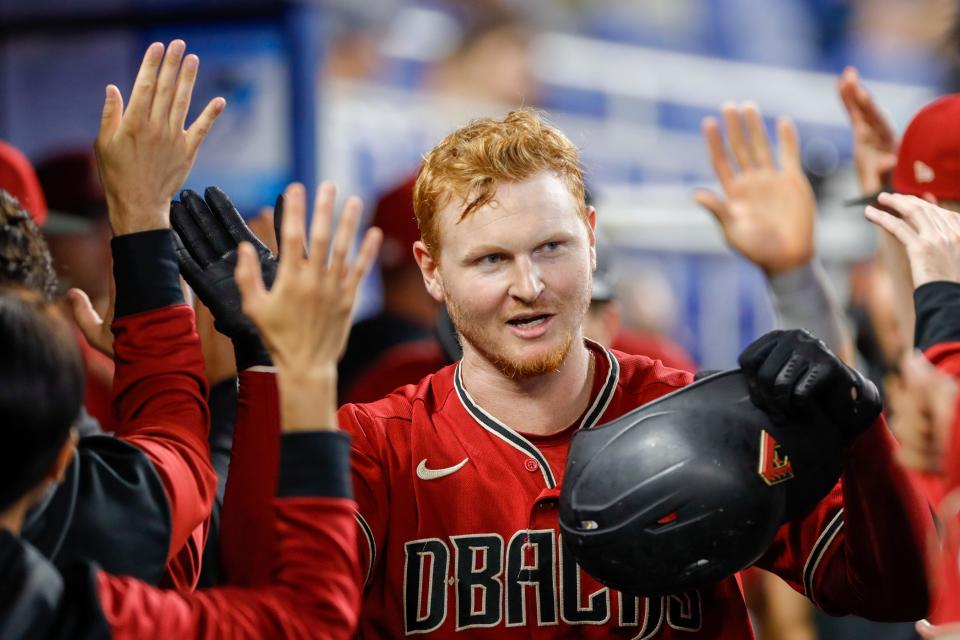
(429, 396)
(643, 379)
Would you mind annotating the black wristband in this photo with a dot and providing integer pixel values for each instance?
(249, 351)
(315, 463)
(145, 271)
(938, 313)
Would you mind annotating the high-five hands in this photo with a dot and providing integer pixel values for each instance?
(767, 214)
(143, 152)
(874, 139)
(304, 319)
(929, 234)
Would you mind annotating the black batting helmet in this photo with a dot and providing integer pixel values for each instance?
(690, 488)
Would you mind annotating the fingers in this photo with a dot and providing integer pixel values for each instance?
(184, 92)
(759, 144)
(848, 86)
(366, 256)
(200, 128)
(192, 236)
(89, 321)
(345, 235)
(741, 151)
(215, 233)
(249, 280)
(714, 204)
(229, 218)
(899, 229)
(143, 87)
(189, 268)
(277, 221)
(322, 223)
(292, 236)
(718, 155)
(789, 145)
(111, 115)
(167, 81)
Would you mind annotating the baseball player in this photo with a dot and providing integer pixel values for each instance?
(457, 477)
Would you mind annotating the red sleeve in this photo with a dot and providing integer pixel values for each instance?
(313, 591)
(946, 357)
(247, 537)
(861, 550)
(370, 482)
(160, 404)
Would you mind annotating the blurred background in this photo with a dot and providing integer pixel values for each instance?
(357, 90)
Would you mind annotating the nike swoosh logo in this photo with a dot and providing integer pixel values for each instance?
(432, 474)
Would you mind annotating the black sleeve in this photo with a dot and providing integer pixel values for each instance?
(938, 314)
(315, 463)
(111, 509)
(145, 272)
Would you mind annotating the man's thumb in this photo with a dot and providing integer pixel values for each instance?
(85, 315)
(712, 203)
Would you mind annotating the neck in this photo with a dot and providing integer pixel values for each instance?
(542, 404)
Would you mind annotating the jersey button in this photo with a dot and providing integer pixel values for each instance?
(530, 464)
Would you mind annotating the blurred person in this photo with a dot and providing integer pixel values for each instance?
(491, 63)
(77, 228)
(441, 479)
(930, 238)
(156, 471)
(78, 233)
(19, 179)
(408, 313)
(312, 590)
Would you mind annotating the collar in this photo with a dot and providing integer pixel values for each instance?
(522, 444)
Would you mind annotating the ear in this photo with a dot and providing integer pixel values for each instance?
(430, 270)
(592, 234)
(64, 458)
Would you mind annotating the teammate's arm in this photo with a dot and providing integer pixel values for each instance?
(768, 214)
(861, 550)
(875, 145)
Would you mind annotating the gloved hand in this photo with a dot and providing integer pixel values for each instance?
(207, 235)
(792, 373)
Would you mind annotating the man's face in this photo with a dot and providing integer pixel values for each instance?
(516, 275)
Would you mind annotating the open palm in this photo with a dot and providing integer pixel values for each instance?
(766, 213)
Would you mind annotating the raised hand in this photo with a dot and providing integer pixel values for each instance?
(94, 328)
(874, 139)
(144, 153)
(208, 231)
(930, 235)
(767, 214)
(304, 319)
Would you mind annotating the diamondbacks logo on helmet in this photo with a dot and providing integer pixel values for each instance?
(774, 467)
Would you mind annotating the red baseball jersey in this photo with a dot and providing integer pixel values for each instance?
(458, 515)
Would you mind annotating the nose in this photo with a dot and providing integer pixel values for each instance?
(527, 285)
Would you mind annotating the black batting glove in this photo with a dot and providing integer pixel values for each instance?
(206, 239)
(792, 373)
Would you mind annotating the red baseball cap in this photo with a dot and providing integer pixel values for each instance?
(929, 156)
(394, 215)
(18, 178)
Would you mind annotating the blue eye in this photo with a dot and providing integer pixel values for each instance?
(493, 258)
(550, 246)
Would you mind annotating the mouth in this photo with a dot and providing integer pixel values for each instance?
(530, 325)
(529, 320)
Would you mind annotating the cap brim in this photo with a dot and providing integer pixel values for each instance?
(863, 201)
